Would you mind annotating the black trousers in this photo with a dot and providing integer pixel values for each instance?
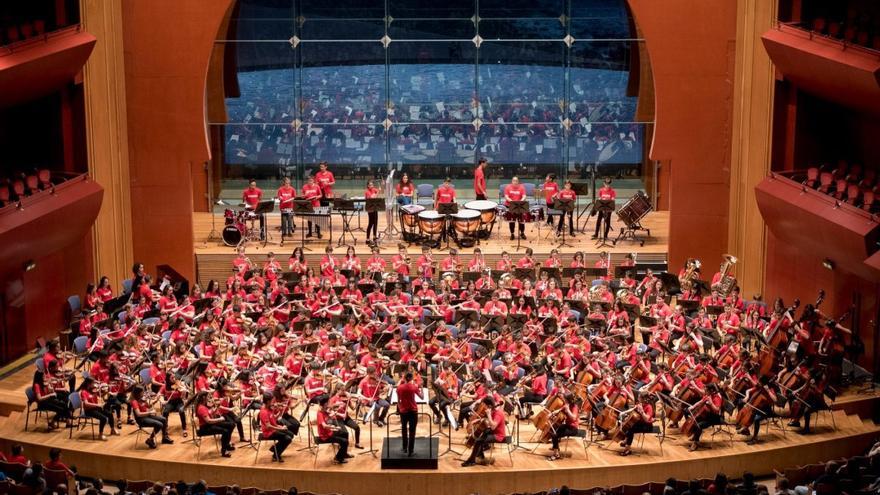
(282, 439)
(481, 444)
(707, 421)
(570, 216)
(56, 405)
(372, 224)
(175, 405)
(101, 415)
(438, 405)
(638, 428)
(290, 422)
(223, 428)
(464, 412)
(408, 422)
(340, 438)
(531, 398)
(351, 423)
(603, 216)
(157, 423)
(481, 197)
(232, 418)
(522, 227)
(562, 431)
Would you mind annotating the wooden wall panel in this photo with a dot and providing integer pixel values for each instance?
(691, 44)
(107, 137)
(752, 139)
(168, 45)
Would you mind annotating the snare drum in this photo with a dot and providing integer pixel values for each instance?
(233, 234)
(431, 222)
(409, 214)
(466, 222)
(486, 208)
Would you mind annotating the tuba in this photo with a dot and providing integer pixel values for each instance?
(728, 282)
(690, 275)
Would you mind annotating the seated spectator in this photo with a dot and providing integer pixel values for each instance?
(17, 456)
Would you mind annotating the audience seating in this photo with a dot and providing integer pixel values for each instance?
(853, 185)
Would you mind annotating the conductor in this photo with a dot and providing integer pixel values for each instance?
(407, 391)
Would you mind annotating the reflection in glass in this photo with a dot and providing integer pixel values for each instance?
(266, 81)
(431, 29)
(342, 9)
(513, 29)
(615, 149)
(522, 8)
(343, 82)
(522, 149)
(420, 9)
(258, 150)
(433, 150)
(522, 81)
(353, 148)
(330, 30)
(432, 81)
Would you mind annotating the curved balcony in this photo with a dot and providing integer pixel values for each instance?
(47, 221)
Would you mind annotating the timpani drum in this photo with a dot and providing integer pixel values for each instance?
(431, 222)
(486, 208)
(467, 222)
(409, 215)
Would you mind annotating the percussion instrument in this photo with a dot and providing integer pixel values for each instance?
(229, 216)
(635, 209)
(467, 221)
(409, 214)
(431, 222)
(233, 234)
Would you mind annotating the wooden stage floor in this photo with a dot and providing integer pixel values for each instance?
(120, 457)
(214, 259)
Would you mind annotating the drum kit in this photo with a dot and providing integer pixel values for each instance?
(236, 230)
(466, 227)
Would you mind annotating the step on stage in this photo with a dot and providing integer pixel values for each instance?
(425, 454)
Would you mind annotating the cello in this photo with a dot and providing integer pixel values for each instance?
(549, 418)
(776, 340)
(477, 423)
(759, 401)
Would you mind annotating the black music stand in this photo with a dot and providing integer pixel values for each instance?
(264, 207)
(565, 206)
(582, 189)
(519, 209)
(604, 207)
(447, 209)
(302, 207)
(524, 273)
(346, 210)
(374, 205)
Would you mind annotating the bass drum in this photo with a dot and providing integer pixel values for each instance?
(232, 235)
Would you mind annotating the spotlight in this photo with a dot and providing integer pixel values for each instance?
(827, 263)
(29, 265)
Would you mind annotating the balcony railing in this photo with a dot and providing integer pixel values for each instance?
(37, 40)
(843, 45)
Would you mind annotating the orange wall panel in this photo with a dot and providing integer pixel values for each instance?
(168, 45)
(692, 47)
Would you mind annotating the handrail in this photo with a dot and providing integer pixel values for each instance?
(813, 35)
(786, 178)
(23, 203)
(24, 44)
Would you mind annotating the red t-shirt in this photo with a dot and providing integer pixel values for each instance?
(406, 397)
(516, 192)
(324, 178)
(285, 197)
(550, 190)
(312, 191)
(567, 194)
(445, 194)
(267, 419)
(324, 432)
(607, 192)
(479, 181)
(500, 430)
(371, 192)
(404, 189)
(251, 197)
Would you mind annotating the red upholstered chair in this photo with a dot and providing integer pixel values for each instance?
(32, 183)
(812, 179)
(27, 30)
(868, 200)
(869, 180)
(875, 44)
(852, 193)
(5, 198)
(863, 38)
(840, 189)
(819, 25)
(45, 178)
(12, 34)
(835, 29)
(825, 181)
(855, 173)
(849, 34)
(39, 27)
(18, 188)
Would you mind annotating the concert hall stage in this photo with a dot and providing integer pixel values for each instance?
(119, 457)
(214, 259)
